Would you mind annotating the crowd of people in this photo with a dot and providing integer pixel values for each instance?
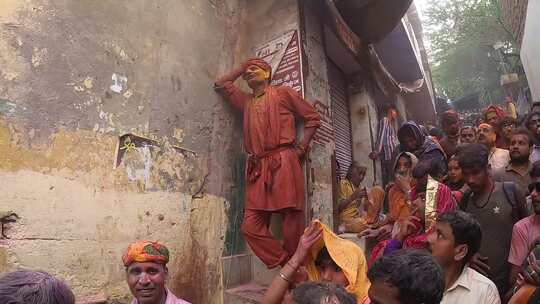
(467, 197)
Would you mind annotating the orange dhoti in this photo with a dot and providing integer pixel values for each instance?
(274, 176)
(278, 187)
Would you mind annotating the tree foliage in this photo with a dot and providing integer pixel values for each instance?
(462, 35)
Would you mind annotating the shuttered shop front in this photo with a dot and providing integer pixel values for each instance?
(341, 118)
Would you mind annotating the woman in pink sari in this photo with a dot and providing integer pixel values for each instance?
(428, 199)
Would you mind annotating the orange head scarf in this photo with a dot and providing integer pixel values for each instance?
(146, 251)
(259, 63)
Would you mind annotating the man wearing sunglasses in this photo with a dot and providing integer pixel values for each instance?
(527, 231)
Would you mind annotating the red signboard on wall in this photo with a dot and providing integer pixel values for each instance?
(283, 54)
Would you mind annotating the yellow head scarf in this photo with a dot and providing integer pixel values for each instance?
(347, 255)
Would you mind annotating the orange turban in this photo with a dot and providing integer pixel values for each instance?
(260, 63)
(146, 251)
(485, 125)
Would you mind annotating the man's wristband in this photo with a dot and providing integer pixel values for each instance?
(284, 277)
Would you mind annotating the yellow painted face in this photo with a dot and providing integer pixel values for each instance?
(256, 74)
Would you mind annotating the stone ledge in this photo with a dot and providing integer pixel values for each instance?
(100, 298)
(251, 293)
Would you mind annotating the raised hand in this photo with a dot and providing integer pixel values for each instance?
(369, 233)
(531, 274)
(311, 235)
(385, 233)
(403, 182)
(480, 263)
(360, 193)
(407, 227)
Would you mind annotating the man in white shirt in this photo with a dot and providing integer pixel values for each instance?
(455, 238)
(498, 158)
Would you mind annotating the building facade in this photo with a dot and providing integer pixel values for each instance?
(521, 17)
(110, 130)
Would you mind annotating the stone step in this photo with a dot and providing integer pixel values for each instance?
(100, 298)
(251, 293)
(260, 273)
(237, 270)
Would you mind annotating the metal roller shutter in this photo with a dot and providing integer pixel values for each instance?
(341, 118)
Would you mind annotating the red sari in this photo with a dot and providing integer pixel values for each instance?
(418, 240)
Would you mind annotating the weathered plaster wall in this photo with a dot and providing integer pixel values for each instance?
(264, 20)
(77, 74)
(317, 88)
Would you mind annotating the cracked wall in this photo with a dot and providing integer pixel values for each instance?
(317, 89)
(75, 76)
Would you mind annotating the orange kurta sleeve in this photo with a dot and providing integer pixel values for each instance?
(233, 94)
(303, 109)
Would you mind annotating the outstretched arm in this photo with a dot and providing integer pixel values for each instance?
(229, 78)
(225, 86)
(280, 284)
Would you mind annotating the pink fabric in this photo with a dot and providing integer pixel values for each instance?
(418, 240)
(524, 235)
(171, 299)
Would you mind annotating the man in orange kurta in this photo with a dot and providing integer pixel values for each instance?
(274, 177)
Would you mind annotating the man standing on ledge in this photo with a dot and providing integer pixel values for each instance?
(274, 177)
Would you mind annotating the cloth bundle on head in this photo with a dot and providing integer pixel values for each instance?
(347, 255)
(146, 251)
(497, 110)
